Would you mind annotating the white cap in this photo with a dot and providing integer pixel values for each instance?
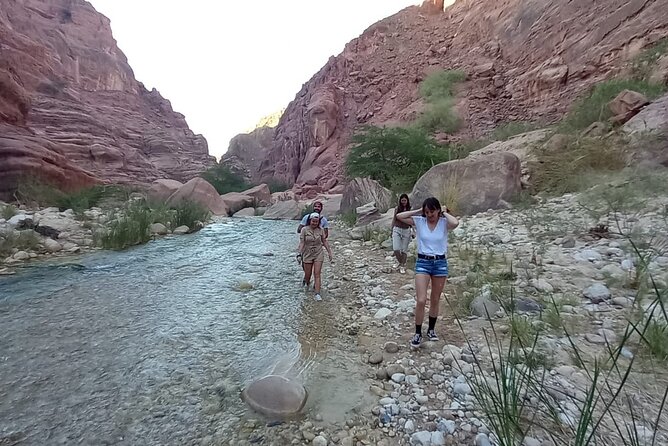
(313, 215)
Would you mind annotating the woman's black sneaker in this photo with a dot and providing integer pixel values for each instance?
(432, 336)
(416, 341)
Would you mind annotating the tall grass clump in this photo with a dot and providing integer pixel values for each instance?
(131, 228)
(188, 213)
(575, 167)
(438, 90)
(395, 157)
(594, 106)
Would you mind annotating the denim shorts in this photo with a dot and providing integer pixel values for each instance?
(434, 268)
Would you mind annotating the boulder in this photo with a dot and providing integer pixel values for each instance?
(260, 193)
(472, 184)
(202, 192)
(52, 245)
(161, 190)
(627, 104)
(181, 230)
(275, 396)
(246, 212)
(361, 191)
(236, 201)
(283, 210)
(654, 117)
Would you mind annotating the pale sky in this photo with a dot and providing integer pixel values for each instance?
(225, 64)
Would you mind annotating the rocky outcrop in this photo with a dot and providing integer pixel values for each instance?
(161, 190)
(654, 117)
(247, 151)
(69, 100)
(473, 184)
(526, 60)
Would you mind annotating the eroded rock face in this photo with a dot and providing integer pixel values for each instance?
(66, 89)
(472, 184)
(525, 60)
(275, 396)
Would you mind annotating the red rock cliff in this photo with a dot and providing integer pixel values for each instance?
(71, 110)
(526, 60)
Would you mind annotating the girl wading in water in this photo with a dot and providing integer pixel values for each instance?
(312, 240)
(401, 233)
(432, 225)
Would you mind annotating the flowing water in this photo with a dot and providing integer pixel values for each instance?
(152, 345)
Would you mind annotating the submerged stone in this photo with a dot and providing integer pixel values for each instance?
(275, 396)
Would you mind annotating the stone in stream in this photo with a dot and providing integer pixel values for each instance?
(275, 396)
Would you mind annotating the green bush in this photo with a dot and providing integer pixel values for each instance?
(394, 156)
(224, 180)
(594, 107)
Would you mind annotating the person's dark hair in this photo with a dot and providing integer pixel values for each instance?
(408, 203)
(432, 204)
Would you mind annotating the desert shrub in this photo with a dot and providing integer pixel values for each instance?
(21, 240)
(440, 116)
(441, 84)
(438, 90)
(7, 211)
(224, 179)
(394, 156)
(594, 107)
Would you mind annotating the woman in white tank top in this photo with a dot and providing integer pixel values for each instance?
(432, 226)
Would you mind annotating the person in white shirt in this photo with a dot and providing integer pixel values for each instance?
(432, 226)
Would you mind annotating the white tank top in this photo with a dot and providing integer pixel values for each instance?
(431, 243)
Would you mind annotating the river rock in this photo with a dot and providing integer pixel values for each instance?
(376, 358)
(597, 293)
(181, 230)
(481, 306)
(52, 245)
(159, 229)
(247, 212)
(275, 396)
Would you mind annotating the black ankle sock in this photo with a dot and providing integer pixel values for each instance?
(432, 323)
(418, 329)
